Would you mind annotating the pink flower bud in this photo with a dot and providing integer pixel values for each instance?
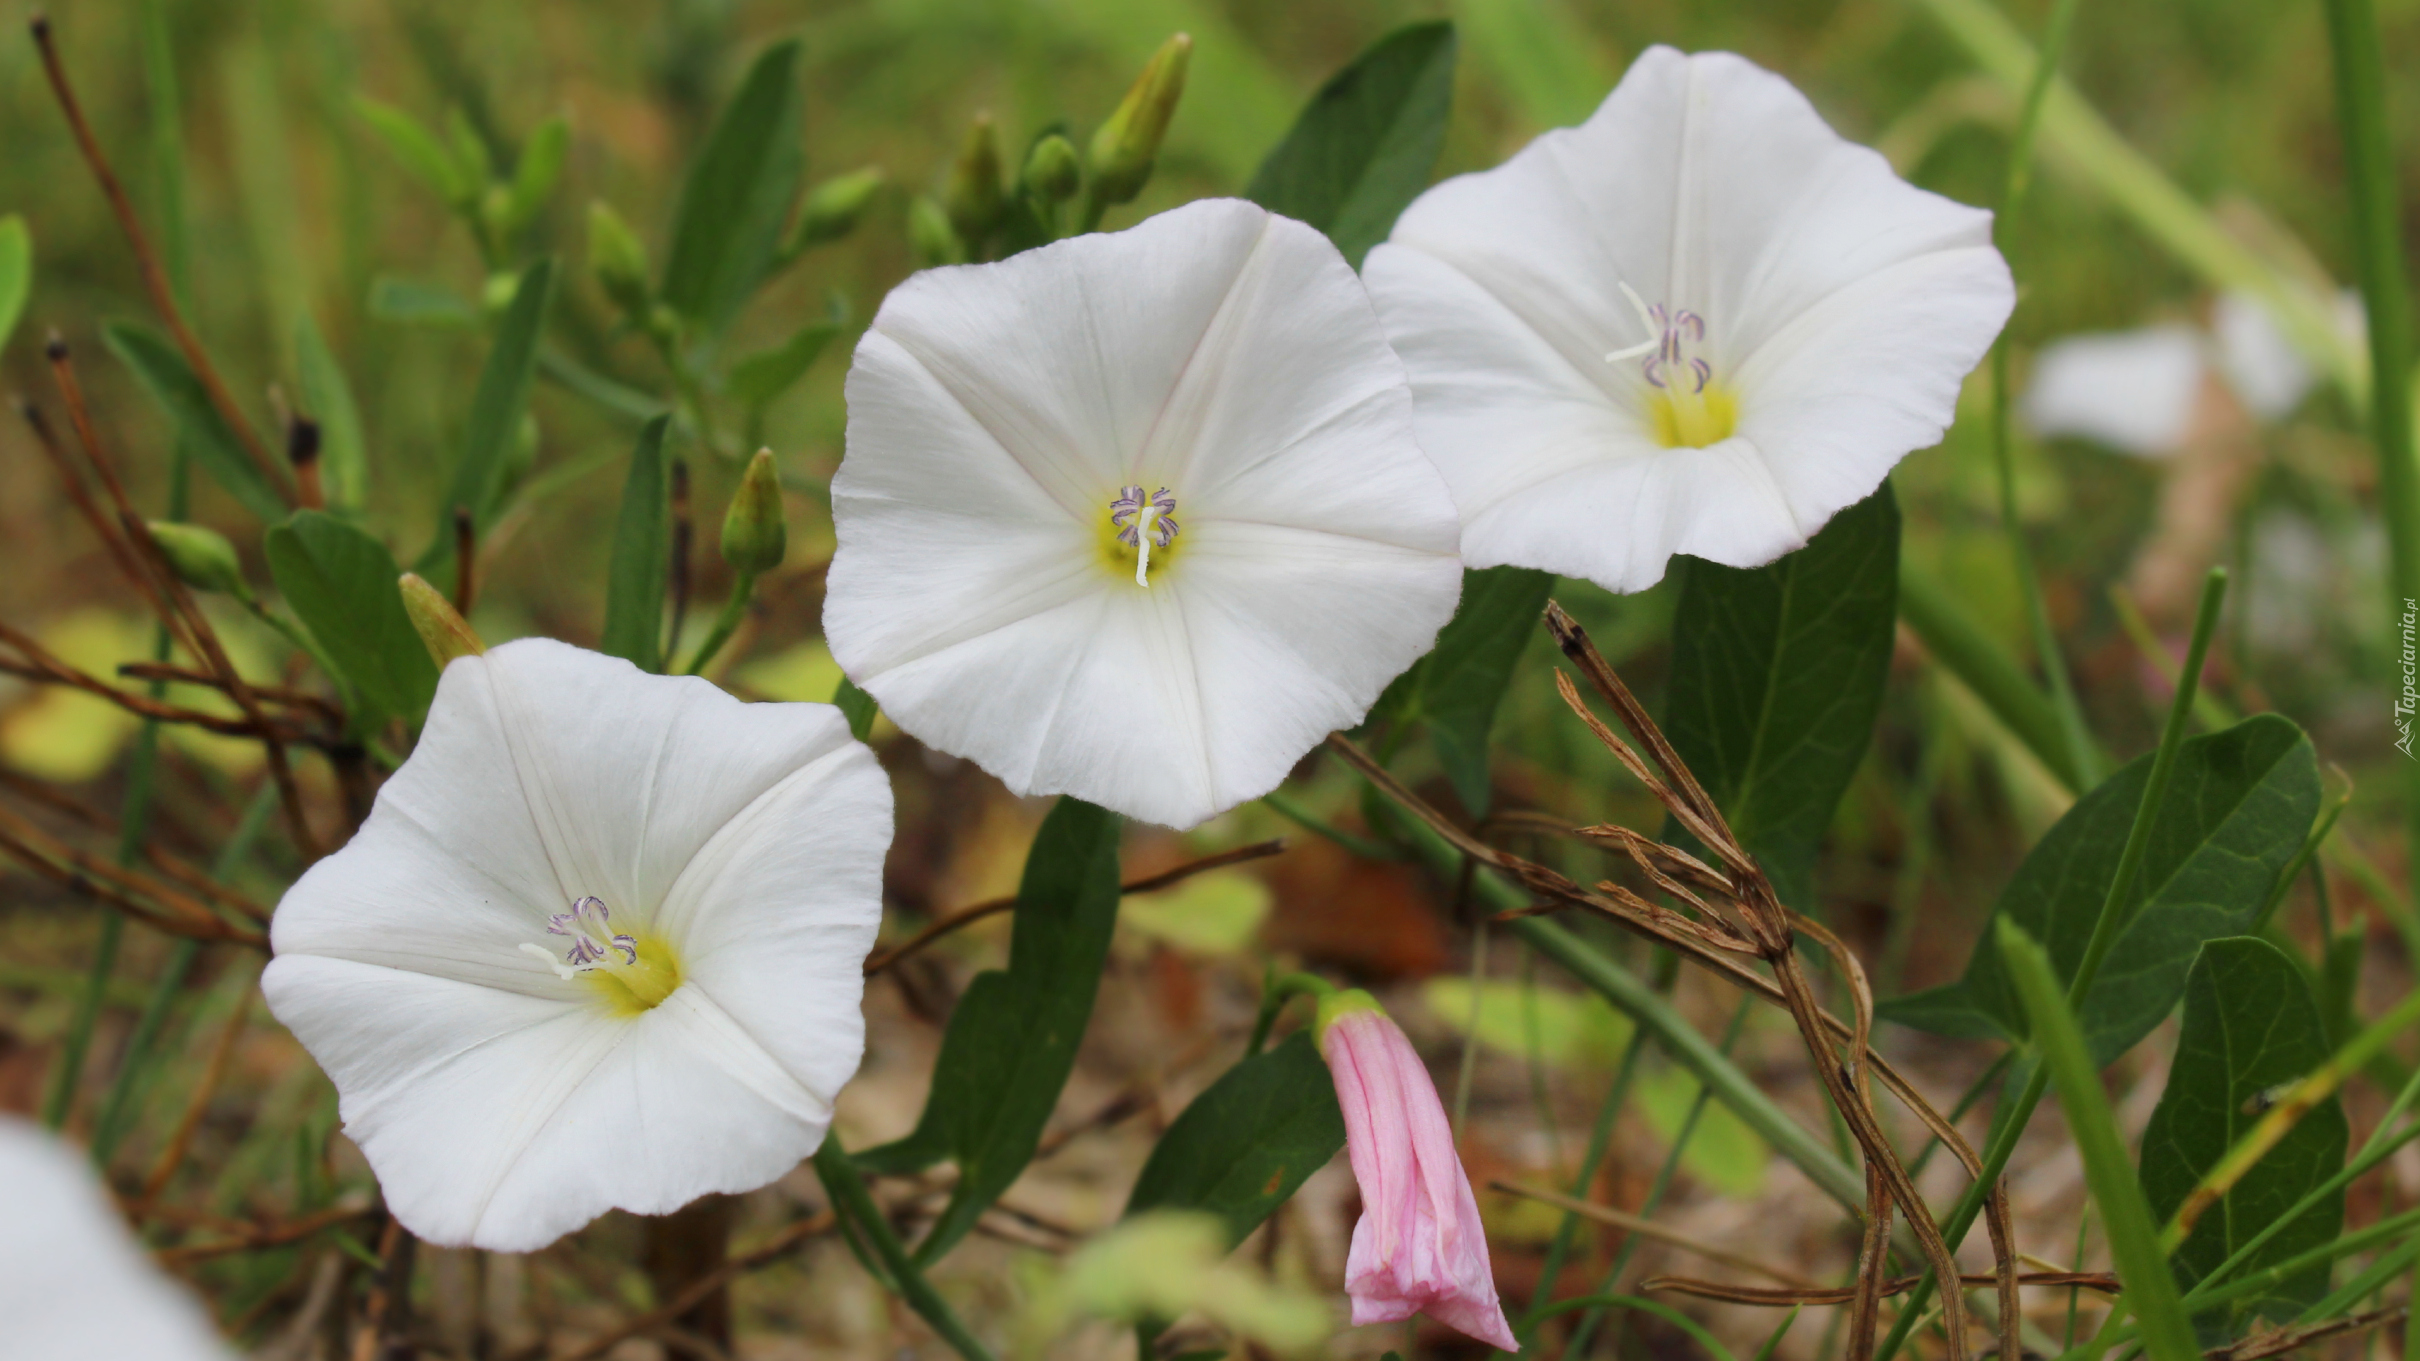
(1419, 1247)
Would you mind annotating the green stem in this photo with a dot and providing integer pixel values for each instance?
(2009, 1123)
(1971, 655)
(1275, 993)
(2369, 155)
(1656, 1191)
(852, 1204)
(725, 624)
(1600, 1137)
(2074, 735)
(1285, 806)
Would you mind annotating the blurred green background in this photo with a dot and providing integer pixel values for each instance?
(234, 127)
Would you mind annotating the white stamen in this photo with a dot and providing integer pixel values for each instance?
(547, 957)
(1142, 541)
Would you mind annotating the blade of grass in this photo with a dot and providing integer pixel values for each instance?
(1965, 651)
(2370, 171)
(2125, 1216)
(2009, 1122)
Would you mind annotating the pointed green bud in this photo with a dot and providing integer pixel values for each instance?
(201, 558)
(442, 630)
(973, 197)
(755, 531)
(617, 259)
(930, 233)
(1054, 170)
(1124, 148)
(836, 206)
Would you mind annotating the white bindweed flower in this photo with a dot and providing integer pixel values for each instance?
(1136, 517)
(599, 945)
(1699, 322)
(2138, 391)
(73, 1284)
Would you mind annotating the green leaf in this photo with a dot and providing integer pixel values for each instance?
(1463, 677)
(1777, 675)
(418, 150)
(738, 196)
(2109, 1174)
(2250, 1025)
(341, 583)
(1248, 1142)
(161, 370)
(2239, 806)
(1012, 1040)
(497, 406)
(16, 273)
(756, 380)
(857, 706)
(636, 577)
(1363, 149)
(541, 166)
(344, 458)
(413, 303)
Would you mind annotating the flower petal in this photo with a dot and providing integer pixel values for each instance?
(2131, 390)
(502, 1121)
(1703, 183)
(73, 1284)
(778, 912)
(1216, 350)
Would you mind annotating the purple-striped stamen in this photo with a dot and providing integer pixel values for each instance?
(1144, 523)
(593, 940)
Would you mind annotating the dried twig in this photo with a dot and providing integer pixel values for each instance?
(2261, 1346)
(883, 959)
(173, 1156)
(137, 894)
(1648, 1228)
(2101, 1281)
(44, 668)
(176, 867)
(155, 278)
(199, 634)
(771, 1249)
(258, 1237)
(275, 694)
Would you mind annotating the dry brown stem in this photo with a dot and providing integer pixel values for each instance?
(770, 1250)
(200, 637)
(139, 895)
(173, 1156)
(2101, 1281)
(1648, 1228)
(155, 278)
(883, 959)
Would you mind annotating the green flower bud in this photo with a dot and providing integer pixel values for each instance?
(755, 534)
(201, 558)
(1124, 148)
(930, 233)
(973, 198)
(835, 207)
(618, 260)
(1054, 169)
(441, 629)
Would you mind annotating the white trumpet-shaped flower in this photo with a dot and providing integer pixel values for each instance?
(1700, 322)
(1136, 517)
(599, 945)
(73, 1284)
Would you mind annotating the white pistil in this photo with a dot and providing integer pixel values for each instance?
(1142, 546)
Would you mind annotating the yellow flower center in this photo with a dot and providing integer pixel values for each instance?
(1685, 405)
(1685, 419)
(629, 973)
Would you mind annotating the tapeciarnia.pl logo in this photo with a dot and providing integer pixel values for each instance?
(2409, 700)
